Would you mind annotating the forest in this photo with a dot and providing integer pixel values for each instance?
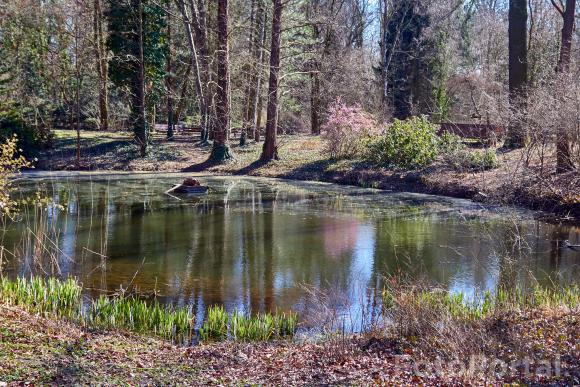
(263, 68)
(289, 192)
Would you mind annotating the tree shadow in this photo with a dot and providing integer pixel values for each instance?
(251, 167)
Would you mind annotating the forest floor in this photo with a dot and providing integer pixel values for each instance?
(302, 157)
(536, 347)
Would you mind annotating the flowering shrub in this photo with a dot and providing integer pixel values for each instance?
(11, 161)
(346, 130)
(406, 144)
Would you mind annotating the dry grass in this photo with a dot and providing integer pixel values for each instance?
(42, 351)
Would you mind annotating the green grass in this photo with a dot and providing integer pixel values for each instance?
(243, 327)
(63, 299)
(53, 297)
(137, 315)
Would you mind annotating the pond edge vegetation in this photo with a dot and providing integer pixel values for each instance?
(406, 310)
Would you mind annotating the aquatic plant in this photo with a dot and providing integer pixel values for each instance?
(215, 326)
(244, 327)
(63, 299)
(137, 315)
(458, 305)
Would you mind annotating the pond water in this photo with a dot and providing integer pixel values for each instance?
(266, 244)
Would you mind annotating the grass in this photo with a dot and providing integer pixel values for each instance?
(63, 299)
(53, 297)
(138, 316)
(243, 327)
(483, 305)
(60, 298)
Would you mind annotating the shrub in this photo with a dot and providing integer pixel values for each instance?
(11, 162)
(31, 139)
(465, 159)
(346, 131)
(406, 144)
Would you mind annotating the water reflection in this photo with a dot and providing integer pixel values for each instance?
(252, 243)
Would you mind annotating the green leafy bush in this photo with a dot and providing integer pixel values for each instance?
(412, 143)
(466, 159)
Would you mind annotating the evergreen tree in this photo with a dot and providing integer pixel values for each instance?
(137, 40)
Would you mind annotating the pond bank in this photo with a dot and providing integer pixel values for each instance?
(302, 157)
(39, 350)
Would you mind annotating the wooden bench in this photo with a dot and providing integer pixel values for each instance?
(488, 133)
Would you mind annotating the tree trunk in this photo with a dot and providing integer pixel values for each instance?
(315, 74)
(258, 99)
(140, 124)
(182, 96)
(199, 13)
(200, 90)
(249, 68)
(101, 65)
(221, 151)
(564, 161)
(270, 149)
(169, 79)
(518, 70)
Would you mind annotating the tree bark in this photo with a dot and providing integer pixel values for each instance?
(256, 48)
(221, 151)
(101, 65)
(258, 100)
(518, 70)
(564, 161)
(169, 79)
(315, 74)
(270, 149)
(140, 124)
(200, 91)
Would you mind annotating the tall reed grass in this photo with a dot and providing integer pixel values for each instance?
(483, 304)
(243, 327)
(64, 299)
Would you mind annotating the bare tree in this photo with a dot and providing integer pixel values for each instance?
(101, 64)
(563, 152)
(518, 69)
(169, 78)
(256, 49)
(270, 149)
(221, 150)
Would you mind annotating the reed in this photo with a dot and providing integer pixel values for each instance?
(215, 326)
(247, 328)
(484, 304)
(63, 299)
(137, 315)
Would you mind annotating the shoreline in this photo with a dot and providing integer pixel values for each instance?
(302, 158)
(46, 350)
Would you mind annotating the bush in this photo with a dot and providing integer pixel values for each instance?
(30, 139)
(347, 130)
(412, 143)
(459, 157)
(11, 162)
(483, 160)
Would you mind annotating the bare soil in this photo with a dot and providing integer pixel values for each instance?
(522, 178)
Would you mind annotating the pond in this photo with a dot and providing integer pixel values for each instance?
(266, 244)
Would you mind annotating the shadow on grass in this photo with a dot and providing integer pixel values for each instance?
(67, 147)
(313, 169)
